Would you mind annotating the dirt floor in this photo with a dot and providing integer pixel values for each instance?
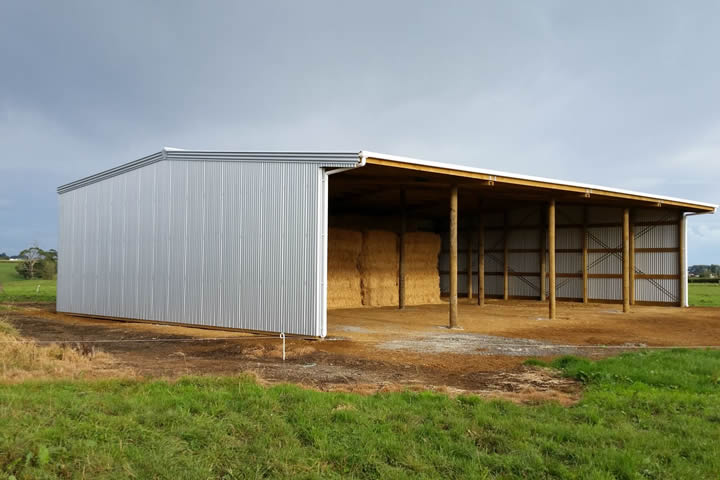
(382, 349)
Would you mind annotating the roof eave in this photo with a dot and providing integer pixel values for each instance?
(532, 181)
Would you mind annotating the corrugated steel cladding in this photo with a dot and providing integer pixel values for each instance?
(232, 240)
(569, 237)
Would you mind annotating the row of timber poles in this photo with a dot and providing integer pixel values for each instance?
(627, 259)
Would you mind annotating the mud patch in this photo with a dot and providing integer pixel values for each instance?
(471, 343)
(354, 329)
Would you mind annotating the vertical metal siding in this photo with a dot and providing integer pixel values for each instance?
(231, 244)
(523, 262)
(605, 235)
(569, 215)
(569, 288)
(655, 215)
(657, 236)
(568, 238)
(657, 290)
(524, 286)
(657, 262)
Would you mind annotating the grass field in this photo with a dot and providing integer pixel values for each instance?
(17, 289)
(644, 415)
(7, 272)
(704, 294)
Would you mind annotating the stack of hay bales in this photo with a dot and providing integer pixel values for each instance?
(343, 283)
(378, 265)
(422, 278)
(363, 268)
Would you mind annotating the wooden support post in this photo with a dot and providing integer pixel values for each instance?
(401, 267)
(585, 256)
(626, 260)
(469, 261)
(543, 255)
(632, 261)
(682, 244)
(453, 256)
(506, 257)
(551, 257)
(481, 259)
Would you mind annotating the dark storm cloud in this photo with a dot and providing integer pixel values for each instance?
(618, 93)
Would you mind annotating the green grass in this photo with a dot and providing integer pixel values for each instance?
(17, 289)
(8, 273)
(704, 294)
(644, 415)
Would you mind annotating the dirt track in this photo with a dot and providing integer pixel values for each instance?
(370, 350)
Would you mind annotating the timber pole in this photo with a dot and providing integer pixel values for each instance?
(626, 261)
(481, 260)
(585, 256)
(453, 256)
(543, 256)
(551, 257)
(682, 243)
(632, 260)
(506, 256)
(469, 261)
(401, 267)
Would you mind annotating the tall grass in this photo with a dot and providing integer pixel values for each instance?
(21, 359)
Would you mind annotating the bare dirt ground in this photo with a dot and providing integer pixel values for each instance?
(382, 349)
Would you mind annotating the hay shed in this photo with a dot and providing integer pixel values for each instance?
(268, 241)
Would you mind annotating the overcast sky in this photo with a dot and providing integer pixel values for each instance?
(625, 94)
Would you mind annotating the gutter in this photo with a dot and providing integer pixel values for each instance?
(363, 160)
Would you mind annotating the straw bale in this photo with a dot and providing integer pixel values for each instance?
(378, 265)
(422, 278)
(343, 282)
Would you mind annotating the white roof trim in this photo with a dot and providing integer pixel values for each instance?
(483, 171)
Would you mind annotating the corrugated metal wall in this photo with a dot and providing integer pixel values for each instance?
(568, 256)
(656, 254)
(217, 243)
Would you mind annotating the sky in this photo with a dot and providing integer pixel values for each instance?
(614, 93)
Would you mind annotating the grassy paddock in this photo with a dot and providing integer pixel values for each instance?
(704, 294)
(644, 415)
(17, 289)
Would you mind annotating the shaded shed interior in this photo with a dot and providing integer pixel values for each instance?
(514, 219)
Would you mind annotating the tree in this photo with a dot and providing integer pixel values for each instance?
(4, 256)
(704, 270)
(52, 255)
(37, 263)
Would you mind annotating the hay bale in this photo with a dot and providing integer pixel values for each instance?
(378, 264)
(343, 277)
(422, 278)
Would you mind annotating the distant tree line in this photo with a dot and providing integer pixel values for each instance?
(705, 270)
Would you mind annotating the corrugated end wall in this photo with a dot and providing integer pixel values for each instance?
(656, 260)
(217, 243)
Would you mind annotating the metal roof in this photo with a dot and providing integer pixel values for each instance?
(324, 159)
(350, 159)
(527, 180)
